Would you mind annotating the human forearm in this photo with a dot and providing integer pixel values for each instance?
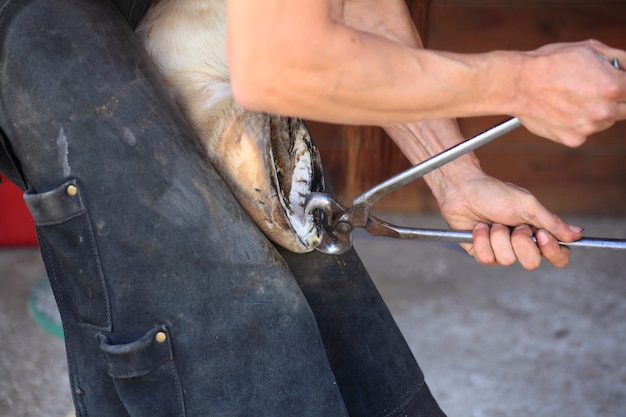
(421, 140)
(310, 64)
(339, 74)
(306, 58)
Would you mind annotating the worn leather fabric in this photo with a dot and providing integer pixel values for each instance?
(375, 369)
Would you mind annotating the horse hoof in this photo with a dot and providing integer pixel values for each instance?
(268, 161)
(270, 164)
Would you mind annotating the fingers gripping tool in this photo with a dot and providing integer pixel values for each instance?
(338, 221)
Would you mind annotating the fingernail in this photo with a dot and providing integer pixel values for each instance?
(576, 229)
(480, 226)
(542, 237)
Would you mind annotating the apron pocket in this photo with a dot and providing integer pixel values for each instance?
(69, 247)
(145, 374)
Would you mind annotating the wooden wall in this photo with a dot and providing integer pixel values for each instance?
(587, 180)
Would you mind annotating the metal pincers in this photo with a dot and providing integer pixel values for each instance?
(338, 221)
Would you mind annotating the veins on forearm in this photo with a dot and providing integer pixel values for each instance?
(421, 140)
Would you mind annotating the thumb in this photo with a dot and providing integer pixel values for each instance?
(558, 228)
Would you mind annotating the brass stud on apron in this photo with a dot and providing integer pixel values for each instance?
(71, 190)
(160, 337)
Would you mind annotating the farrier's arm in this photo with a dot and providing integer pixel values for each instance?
(468, 198)
(340, 74)
(362, 65)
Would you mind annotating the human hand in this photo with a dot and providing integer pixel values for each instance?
(489, 206)
(569, 91)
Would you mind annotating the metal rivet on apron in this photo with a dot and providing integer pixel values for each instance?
(160, 337)
(71, 190)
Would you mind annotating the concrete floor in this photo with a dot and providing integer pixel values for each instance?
(493, 341)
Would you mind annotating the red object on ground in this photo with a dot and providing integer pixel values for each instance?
(17, 227)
